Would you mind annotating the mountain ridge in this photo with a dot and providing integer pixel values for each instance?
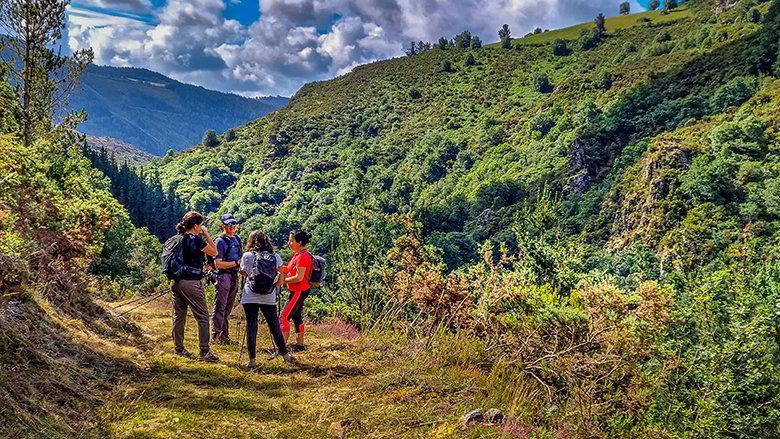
(157, 113)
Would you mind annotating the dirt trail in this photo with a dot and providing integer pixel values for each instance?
(340, 379)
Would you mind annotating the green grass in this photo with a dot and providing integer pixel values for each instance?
(612, 23)
(388, 388)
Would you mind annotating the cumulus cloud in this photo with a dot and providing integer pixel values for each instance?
(296, 41)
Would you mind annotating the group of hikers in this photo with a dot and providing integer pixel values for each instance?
(186, 259)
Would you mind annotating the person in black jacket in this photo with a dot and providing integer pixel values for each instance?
(188, 291)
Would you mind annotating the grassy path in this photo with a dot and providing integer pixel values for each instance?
(339, 378)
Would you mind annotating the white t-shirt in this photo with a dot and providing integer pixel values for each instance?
(247, 296)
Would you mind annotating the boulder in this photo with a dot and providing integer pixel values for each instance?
(472, 417)
(494, 416)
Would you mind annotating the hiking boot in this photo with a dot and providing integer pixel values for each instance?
(289, 359)
(184, 353)
(252, 364)
(209, 357)
(297, 348)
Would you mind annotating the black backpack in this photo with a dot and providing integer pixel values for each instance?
(318, 273)
(263, 276)
(173, 259)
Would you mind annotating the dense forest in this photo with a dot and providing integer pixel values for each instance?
(598, 205)
(141, 193)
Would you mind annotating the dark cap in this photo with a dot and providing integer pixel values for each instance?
(228, 220)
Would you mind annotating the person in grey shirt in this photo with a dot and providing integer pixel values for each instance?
(254, 303)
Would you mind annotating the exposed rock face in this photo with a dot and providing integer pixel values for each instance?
(642, 210)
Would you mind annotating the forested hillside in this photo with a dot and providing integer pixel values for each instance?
(600, 211)
(156, 113)
(124, 152)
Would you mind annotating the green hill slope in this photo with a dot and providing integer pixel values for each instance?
(463, 148)
(156, 113)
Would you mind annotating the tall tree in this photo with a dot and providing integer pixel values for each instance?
(411, 50)
(654, 4)
(625, 8)
(43, 78)
(505, 35)
(601, 24)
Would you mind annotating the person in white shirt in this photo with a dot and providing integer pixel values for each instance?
(255, 303)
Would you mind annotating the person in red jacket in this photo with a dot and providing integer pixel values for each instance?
(297, 280)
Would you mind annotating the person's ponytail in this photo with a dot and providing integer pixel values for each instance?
(190, 220)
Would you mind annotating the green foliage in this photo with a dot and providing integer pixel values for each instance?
(505, 36)
(541, 83)
(469, 60)
(560, 48)
(625, 8)
(476, 43)
(445, 66)
(210, 139)
(653, 5)
(733, 93)
(463, 40)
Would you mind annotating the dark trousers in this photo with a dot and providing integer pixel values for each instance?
(294, 311)
(190, 294)
(269, 313)
(226, 289)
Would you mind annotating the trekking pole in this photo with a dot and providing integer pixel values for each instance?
(142, 303)
(137, 299)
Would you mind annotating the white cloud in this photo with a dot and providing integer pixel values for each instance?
(296, 41)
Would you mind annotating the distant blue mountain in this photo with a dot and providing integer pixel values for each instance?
(154, 112)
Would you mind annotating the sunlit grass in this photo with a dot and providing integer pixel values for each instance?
(388, 392)
(612, 24)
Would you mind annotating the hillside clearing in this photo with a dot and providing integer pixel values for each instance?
(339, 378)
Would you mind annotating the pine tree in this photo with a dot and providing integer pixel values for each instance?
(44, 78)
(505, 35)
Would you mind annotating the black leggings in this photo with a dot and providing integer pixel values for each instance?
(269, 313)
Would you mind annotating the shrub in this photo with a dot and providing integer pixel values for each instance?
(589, 39)
(476, 43)
(604, 81)
(541, 83)
(658, 49)
(210, 139)
(663, 37)
(469, 60)
(414, 93)
(560, 48)
(445, 66)
(654, 4)
(733, 93)
(753, 15)
(230, 135)
(542, 124)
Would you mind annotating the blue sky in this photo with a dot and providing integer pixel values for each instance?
(273, 47)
